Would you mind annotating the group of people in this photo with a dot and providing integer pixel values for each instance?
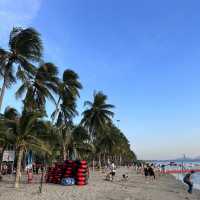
(149, 171)
(6, 168)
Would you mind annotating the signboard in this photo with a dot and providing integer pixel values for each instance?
(8, 156)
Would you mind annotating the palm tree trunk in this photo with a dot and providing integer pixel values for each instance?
(115, 158)
(120, 159)
(53, 118)
(18, 170)
(93, 164)
(104, 159)
(2, 92)
(108, 161)
(64, 152)
(100, 162)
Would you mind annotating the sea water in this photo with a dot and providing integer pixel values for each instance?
(185, 165)
(195, 179)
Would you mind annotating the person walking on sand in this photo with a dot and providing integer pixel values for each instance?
(146, 171)
(151, 172)
(113, 170)
(188, 180)
(163, 169)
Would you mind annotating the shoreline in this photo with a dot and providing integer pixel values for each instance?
(180, 178)
(135, 188)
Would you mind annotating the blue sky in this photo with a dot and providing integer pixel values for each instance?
(145, 55)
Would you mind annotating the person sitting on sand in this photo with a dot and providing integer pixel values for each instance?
(125, 177)
(188, 180)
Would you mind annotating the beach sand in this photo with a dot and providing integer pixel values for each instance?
(135, 188)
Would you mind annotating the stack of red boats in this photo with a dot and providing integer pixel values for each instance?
(69, 169)
(55, 174)
(82, 173)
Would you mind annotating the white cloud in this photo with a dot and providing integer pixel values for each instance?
(16, 13)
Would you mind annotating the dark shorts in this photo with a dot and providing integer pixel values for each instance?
(151, 174)
(146, 173)
(112, 173)
(188, 182)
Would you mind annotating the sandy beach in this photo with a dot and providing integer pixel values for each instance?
(136, 188)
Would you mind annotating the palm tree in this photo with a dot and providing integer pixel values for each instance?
(6, 139)
(25, 46)
(24, 130)
(97, 114)
(76, 142)
(68, 90)
(104, 145)
(121, 151)
(65, 111)
(43, 84)
(80, 144)
(96, 118)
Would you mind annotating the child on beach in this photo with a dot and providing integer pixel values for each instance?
(188, 180)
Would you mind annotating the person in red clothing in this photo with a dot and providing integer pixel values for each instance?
(30, 176)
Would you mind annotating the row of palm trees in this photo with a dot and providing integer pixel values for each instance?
(95, 138)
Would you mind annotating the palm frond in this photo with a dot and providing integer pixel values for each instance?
(27, 43)
(21, 90)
